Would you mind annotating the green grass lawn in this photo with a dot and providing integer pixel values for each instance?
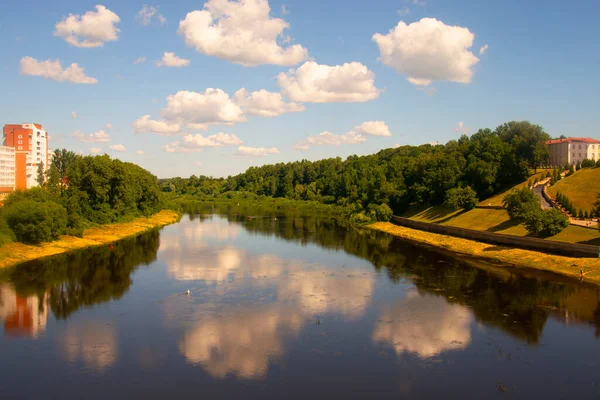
(581, 188)
(496, 220)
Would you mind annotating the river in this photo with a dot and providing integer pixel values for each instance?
(290, 306)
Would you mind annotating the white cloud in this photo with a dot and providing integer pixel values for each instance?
(118, 147)
(53, 70)
(461, 128)
(197, 142)
(483, 49)
(255, 151)
(284, 10)
(356, 135)
(315, 83)
(428, 50)
(397, 145)
(171, 60)
(73, 115)
(95, 150)
(241, 32)
(330, 139)
(96, 137)
(218, 140)
(403, 11)
(177, 147)
(418, 2)
(145, 124)
(140, 60)
(91, 29)
(373, 128)
(108, 126)
(264, 103)
(198, 164)
(193, 108)
(148, 13)
(139, 152)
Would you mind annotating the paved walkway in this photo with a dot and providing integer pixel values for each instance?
(537, 189)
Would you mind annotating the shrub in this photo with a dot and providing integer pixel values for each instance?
(359, 218)
(587, 163)
(571, 170)
(578, 167)
(580, 214)
(380, 212)
(515, 202)
(457, 198)
(35, 222)
(586, 214)
(553, 222)
(598, 163)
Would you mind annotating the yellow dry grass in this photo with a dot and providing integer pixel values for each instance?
(582, 188)
(15, 253)
(514, 257)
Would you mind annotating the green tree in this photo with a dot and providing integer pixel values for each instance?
(41, 176)
(461, 198)
(35, 222)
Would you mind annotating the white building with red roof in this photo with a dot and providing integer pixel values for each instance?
(571, 150)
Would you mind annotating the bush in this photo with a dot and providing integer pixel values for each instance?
(586, 214)
(35, 222)
(580, 214)
(587, 163)
(461, 198)
(516, 202)
(578, 167)
(381, 212)
(553, 222)
(360, 218)
(598, 163)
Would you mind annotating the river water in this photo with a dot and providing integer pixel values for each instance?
(288, 306)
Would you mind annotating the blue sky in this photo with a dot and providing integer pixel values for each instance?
(540, 65)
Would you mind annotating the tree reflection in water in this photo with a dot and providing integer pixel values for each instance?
(84, 278)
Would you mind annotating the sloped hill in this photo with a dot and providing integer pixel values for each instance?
(581, 188)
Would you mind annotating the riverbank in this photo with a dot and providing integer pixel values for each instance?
(16, 253)
(514, 257)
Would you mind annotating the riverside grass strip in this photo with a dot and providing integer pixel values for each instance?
(16, 253)
(517, 258)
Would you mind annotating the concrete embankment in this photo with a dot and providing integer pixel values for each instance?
(16, 253)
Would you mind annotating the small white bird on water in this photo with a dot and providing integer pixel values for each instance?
(188, 292)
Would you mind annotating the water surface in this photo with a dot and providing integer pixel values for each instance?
(288, 306)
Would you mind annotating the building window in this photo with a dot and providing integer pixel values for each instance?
(20, 142)
(20, 136)
(20, 147)
(579, 155)
(580, 146)
(573, 154)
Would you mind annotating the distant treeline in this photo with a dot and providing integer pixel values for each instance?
(75, 192)
(487, 162)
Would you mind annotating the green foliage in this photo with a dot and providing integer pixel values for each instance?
(35, 222)
(580, 214)
(587, 163)
(41, 176)
(586, 214)
(381, 212)
(488, 161)
(79, 190)
(598, 163)
(519, 202)
(461, 198)
(571, 170)
(596, 209)
(360, 219)
(578, 167)
(523, 205)
(553, 222)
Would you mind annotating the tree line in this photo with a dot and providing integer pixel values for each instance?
(75, 192)
(481, 165)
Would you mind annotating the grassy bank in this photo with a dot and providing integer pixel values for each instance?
(492, 217)
(15, 253)
(515, 257)
(581, 188)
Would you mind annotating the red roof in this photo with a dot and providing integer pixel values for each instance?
(573, 139)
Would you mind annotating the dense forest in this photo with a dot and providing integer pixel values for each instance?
(481, 164)
(75, 192)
